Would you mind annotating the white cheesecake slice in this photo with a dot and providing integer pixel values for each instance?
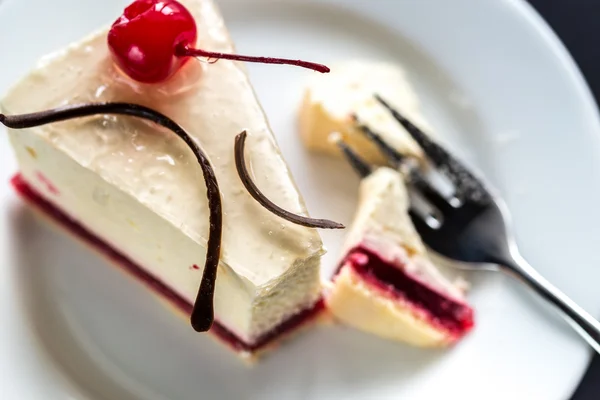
(330, 101)
(137, 192)
(386, 284)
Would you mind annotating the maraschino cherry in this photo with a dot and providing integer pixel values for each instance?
(153, 39)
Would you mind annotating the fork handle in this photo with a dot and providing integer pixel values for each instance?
(580, 320)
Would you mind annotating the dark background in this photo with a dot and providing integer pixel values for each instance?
(577, 23)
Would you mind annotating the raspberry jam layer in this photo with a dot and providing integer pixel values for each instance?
(452, 315)
(35, 199)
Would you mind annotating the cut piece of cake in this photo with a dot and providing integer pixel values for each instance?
(386, 283)
(137, 192)
(331, 103)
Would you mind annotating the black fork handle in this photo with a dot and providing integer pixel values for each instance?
(580, 320)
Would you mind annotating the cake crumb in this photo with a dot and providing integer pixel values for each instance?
(31, 152)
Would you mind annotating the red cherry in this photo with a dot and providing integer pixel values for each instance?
(153, 39)
(143, 40)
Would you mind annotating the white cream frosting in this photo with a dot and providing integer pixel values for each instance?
(141, 189)
(330, 101)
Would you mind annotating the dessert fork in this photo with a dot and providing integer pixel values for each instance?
(467, 223)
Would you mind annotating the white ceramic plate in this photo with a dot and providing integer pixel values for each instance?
(498, 87)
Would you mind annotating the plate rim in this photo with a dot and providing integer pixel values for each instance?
(563, 56)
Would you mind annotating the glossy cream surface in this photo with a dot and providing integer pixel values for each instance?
(141, 189)
(382, 224)
(332, 99)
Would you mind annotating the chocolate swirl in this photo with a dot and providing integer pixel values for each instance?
(240, 163)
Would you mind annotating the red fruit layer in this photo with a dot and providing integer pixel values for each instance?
(454, 316)
(228, 337)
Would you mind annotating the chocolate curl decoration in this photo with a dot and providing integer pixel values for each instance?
(240, 163)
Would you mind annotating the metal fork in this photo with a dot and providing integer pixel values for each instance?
(468, 223)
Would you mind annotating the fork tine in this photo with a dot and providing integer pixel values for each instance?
(423, 228)
(392, 154)
(427, 191)
(467, 186)
(411, 170)
(360, 166)
(422, 208)
(429, 147)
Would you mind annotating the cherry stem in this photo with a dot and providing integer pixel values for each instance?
(185, 51)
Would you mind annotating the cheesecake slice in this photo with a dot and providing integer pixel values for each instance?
(136, 192)
(386, 284)
(333, 102)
